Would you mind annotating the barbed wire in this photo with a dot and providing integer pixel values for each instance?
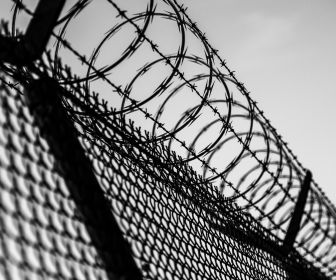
(261, 174)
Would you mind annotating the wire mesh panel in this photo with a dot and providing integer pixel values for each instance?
(177, 228)
(43, 236)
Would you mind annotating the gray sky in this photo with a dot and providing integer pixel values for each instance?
(284, 53)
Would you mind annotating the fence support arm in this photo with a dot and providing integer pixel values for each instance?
(294, 225)
(30, 47)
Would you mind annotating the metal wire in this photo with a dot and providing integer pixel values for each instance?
(205, 159)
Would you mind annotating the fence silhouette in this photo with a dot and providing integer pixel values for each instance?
(177, 174)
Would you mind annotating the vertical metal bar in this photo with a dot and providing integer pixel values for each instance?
(44, 101)
(294, 225)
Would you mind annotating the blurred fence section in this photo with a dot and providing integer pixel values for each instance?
(199, 182)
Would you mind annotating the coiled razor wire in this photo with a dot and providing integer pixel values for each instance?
(154, 66)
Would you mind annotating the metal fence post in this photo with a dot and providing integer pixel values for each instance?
(43, 98)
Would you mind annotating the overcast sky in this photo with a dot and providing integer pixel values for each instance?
(284, 53)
